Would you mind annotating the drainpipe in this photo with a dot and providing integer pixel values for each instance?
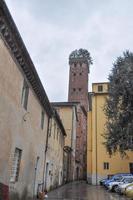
(96, 137)
(72, 138)
(34, 188)
(45, 154)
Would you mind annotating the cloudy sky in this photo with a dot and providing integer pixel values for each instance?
(51, 29)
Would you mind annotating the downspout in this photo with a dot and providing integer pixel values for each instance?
(96, 137)
(67, 166)
(45, 154)
(34, 188)
(72, 137)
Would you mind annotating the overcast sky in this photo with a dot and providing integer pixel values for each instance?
(52, 29)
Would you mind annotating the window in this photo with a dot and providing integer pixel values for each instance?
(54, 129)
(118, 178)
(79, 89)
(16, 165)
(131, 167)
(74, 89)
(100, 88)
(80, 73)
(50, 126)
(130, 141)
(62, 141)
(74, 64)
(25, 93)
(74, 74)
(42, 119)
(57, 133)
(59, 138)
(106, 165)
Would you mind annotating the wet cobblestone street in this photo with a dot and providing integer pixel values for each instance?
(83, 191)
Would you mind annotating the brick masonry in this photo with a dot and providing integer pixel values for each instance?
(78, 92)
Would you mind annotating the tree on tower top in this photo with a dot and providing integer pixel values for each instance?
(81, 54)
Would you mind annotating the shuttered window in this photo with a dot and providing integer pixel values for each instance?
(50, 127)
(16, 165)
(106, 165)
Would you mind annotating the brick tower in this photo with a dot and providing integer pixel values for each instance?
(79, 61)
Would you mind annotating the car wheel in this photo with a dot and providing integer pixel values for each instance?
(115, 188)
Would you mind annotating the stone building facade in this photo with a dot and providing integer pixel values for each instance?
(25, 114)
(79, 61)
(68, 114)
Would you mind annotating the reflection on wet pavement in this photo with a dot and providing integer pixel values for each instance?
(83, 191)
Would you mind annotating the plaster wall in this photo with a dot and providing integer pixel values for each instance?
(96, 152)
(19, 128)
(54, 157)
(68, 117)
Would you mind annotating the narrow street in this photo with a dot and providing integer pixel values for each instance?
(83, 191)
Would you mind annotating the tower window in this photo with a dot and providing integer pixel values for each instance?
(74, 89)
(79, 89)
(80, 64)
(100, 88)
(80, 73)
(74, 74)
(74, 64)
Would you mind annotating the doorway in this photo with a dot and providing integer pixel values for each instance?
(77, 173)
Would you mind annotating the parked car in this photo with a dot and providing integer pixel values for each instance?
(113, 185)
(102, 181)
(105, 179)
(122, 186)
(129, 191)
(115, 178)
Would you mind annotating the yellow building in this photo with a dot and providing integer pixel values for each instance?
(99, 163)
